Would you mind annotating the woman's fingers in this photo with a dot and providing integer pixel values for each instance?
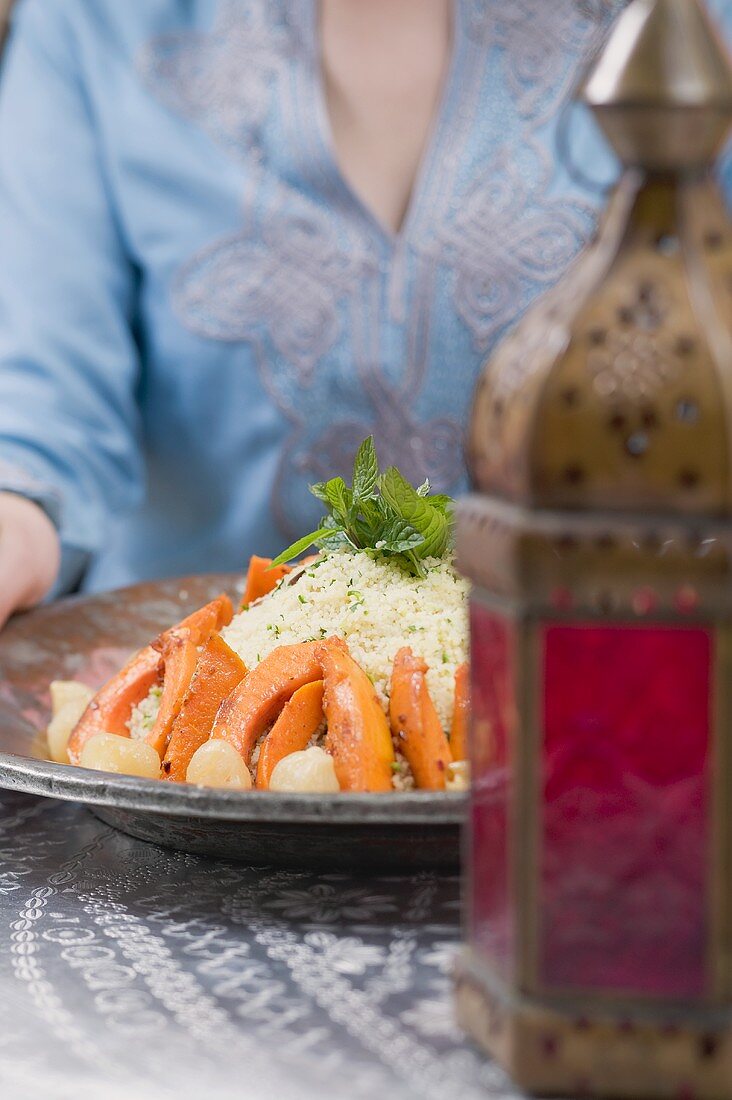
(29, 554)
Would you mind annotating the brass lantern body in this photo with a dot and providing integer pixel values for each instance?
(601, 456)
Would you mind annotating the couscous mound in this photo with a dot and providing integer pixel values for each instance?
(376, 608)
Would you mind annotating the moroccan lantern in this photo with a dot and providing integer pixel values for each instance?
(599, 544)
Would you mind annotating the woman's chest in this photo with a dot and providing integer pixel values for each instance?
(252, 245)
(229, 189)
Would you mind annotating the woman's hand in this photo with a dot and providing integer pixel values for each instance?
(30, 554)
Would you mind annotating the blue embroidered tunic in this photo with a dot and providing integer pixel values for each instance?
(198, 317)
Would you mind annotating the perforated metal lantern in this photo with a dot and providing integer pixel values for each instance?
(599, 542)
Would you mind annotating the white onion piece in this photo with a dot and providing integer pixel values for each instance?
(218, 764)
(107, 752)
(69, 700)
(311, 771)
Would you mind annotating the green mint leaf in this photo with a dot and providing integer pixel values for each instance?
(335, 536)
(339, 497)
(367, 521)
(401, 546)
(398, 536)
(365, 470)
(337, 542)
(380, 514)
(439, 500)
(301, 546)
(431, 522)
(415, 565)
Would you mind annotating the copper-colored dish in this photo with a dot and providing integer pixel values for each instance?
(88, 638)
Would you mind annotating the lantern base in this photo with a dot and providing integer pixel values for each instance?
(553, 1051)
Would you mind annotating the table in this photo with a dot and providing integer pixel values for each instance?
(128, 971)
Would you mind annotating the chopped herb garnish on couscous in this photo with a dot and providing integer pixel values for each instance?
(390, 608)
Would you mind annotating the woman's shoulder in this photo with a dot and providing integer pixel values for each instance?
(110, 19)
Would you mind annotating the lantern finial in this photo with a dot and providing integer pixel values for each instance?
(662, 88)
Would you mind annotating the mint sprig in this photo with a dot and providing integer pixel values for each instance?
(379, 514)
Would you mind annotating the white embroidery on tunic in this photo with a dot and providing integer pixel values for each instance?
(286, 285)
(401, 437)
(504, 246)
(223, 79)
(539, 43)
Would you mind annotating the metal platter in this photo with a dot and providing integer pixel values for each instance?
(88, 638)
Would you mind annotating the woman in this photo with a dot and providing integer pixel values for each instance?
(238, 236)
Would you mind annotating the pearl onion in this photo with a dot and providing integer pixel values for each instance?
(107, 752)
(69, 700)
(218, 764)
(310, 771)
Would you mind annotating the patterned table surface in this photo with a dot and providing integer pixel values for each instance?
(129, 971)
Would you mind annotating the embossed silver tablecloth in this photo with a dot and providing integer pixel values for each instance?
(129, 971)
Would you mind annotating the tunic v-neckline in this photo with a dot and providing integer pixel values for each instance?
(430, 157)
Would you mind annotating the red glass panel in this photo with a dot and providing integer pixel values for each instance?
(492, 704)
(626, 821)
